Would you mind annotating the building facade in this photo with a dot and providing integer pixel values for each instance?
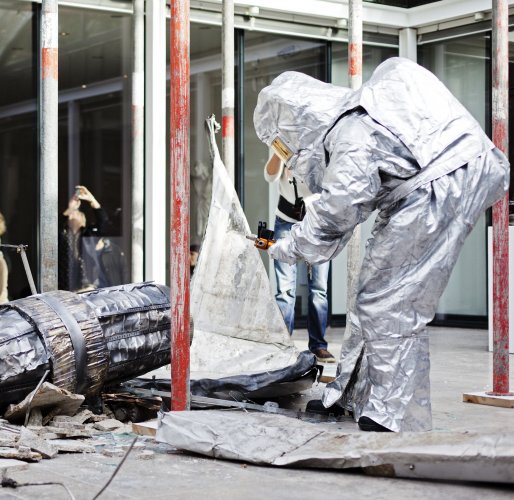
(97, 46)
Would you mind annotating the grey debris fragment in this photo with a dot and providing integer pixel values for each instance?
(113, 452)
(36, 443)
(108, 425)
(10, 465)
(7, 438)
(36, 417)
(23, 454)
(63, 418)
(137, 446)
(85, 415)
(68, 425)
(48, 397)
(145, 455)
(73, 446)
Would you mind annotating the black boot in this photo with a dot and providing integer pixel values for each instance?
(316, 406)
(366, 424)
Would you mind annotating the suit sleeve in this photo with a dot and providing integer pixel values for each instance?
(349, 189)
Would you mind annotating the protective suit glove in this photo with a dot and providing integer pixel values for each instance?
(281, 250)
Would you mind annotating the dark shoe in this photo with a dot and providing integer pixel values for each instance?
(324, 356)
(316, 406)
(366, 424)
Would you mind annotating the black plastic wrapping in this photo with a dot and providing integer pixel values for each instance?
(125, 332)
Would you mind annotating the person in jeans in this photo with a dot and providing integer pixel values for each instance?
(293, 194)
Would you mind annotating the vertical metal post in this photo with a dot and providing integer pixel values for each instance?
(179, 206)
(138, 149)
(500, 125)
(155, 141)
(355, 81)
(227, 93)
(48, 115)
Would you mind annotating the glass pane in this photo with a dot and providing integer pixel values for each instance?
(266, 56)
(18, 138)
(372, 57)
(95, 57)
(463, 65)
(205, 100)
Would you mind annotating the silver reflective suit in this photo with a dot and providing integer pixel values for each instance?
(402, 145)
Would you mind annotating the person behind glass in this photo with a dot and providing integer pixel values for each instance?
(78, 261)
(290, 210)
(4, 272)
(194, 252)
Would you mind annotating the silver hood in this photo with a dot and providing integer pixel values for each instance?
(301, 110)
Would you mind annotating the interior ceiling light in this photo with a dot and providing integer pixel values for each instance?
(64, 33)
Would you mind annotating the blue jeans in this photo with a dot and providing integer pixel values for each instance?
(286, 293)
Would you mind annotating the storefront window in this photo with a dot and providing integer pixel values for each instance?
(95, 61)
(372, 56)
(18, 138)
(266, 56)
(205, 100)
(463, 65)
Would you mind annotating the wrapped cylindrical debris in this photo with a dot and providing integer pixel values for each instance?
(86, 340)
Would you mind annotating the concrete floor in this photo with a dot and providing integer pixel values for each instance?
(460, 363)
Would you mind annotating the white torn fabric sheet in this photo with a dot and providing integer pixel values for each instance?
(260, 438)
(238, 327)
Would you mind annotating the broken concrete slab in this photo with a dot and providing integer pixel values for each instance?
(145, 455)
(60, 432)
(84, 416)
(277, 440)
(108, 425)
(47, 398)
(36, 443)
(24, 454)
(113, 452)
(73, 446)
(10, 465)
(36, 417)
(67, 425)
(146, 428)
(8, 438)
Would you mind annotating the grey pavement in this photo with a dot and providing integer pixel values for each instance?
(460, 363)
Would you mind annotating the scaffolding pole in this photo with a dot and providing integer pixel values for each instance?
(227, 93)
(48, 126)
(138, 140)
(500, 126)
(500, 395)
(355, 81)
(179, 206)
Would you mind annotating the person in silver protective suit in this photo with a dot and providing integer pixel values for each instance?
(404, 146)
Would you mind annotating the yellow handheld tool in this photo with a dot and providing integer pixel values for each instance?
(264, 237)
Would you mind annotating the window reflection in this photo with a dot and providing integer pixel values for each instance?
(18, 136)
(463, 65)
(95, 54)
(267, 56)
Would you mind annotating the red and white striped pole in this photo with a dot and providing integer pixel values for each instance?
(179, 206)
(355, 81)
(227, 91)
(138, 140)
(500, 125)
(48, 113)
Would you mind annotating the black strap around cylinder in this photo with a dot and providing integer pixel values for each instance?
(76, 336)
